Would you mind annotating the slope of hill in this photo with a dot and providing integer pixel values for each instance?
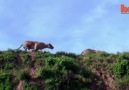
(21, 70)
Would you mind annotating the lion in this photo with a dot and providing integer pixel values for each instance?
(91, 50)
(35, 46)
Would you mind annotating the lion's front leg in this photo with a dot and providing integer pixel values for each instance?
(35, 47)
(34, 50)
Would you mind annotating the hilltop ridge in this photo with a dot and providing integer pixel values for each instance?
(94, 70)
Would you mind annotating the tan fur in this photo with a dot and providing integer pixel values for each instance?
(90, 50)
(34, 45)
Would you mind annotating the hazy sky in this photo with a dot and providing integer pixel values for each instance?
(70, 25)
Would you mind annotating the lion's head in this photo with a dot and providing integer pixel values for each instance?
(50, 46)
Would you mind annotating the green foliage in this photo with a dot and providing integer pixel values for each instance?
(72, 55)
(39, 62)
(23, 75)
(26, 59)
(126, 55)
(61, 53)
(122, 83)
(121, 67)
(47, 54)
(30, 86)
(8, 56)
(5, 81)
(20, 51)
(63, 73)
(8, 60)
(39, 54)
(96, 60)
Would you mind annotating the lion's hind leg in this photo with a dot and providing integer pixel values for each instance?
(25, 48)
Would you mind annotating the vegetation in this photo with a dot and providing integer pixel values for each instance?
(23, 75)
(8, 60)
(30, 86)
(5, 81)
(63, 71)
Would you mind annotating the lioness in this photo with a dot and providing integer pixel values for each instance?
(35, 46)
(90, 50)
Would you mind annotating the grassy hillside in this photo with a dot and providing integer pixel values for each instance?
(21, 70)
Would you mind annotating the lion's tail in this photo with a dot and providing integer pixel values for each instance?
(19, 47)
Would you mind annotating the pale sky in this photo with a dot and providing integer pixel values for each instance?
(69, 25)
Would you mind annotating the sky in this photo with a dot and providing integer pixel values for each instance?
(69, 25)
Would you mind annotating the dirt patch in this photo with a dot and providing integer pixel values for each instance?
(33, 72)
(108, 78)
(19, 60)
(33, 55)
(20, 86)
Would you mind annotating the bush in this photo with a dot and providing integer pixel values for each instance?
(26, 59)
(63, 73)
(9, 55)
(23, 75)
(5, 81)
(30, 86)
(8, 60)
(121, 67)
(61, 53)
(20, 51)
(122, 83)
(39, 54)
(45, 72)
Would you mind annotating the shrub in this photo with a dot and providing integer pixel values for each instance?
(8, 59)
(122, 83)
(121, 67)
(5, 81)
(39, 54)
(20, 51)
(47, 54)
(45, 72)
(30, 86)
(63, 73)
(61, 53)
(23, 75)
(26, 59)
(9, 55)
(72, 55)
